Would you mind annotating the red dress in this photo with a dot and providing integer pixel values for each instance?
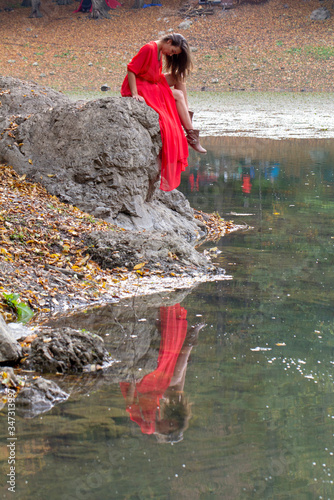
(153, 86)
(151, 388)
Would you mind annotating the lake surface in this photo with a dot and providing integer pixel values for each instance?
(241, 408)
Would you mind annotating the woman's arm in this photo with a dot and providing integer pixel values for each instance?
(133, 87)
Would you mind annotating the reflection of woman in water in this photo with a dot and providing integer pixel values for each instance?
(157, 402)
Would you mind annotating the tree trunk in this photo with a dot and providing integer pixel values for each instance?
(139, 4)
(35, 12)
(100, 9)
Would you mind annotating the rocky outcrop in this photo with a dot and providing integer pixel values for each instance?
(10, 350)
(101, 156)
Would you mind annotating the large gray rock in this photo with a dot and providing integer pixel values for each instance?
(10, 350)
(101, 156)
(320, 14)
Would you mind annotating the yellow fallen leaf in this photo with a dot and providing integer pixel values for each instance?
(139, 266)
(4, 252)
(30, 161)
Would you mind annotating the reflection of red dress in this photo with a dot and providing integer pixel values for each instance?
(151, 388)
(153, 86)
(246, 184)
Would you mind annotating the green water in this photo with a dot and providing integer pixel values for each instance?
(260, 375)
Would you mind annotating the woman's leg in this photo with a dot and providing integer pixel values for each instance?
(179, 92)
(182, 108)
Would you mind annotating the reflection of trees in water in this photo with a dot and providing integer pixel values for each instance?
(278, 170)
(225, 152)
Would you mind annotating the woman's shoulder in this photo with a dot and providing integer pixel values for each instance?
(149, 46)
(148, 50)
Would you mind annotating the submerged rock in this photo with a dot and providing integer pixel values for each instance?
(39, 396)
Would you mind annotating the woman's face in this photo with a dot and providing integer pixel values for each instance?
(169, 50)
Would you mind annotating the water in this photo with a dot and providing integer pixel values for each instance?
(251, 411)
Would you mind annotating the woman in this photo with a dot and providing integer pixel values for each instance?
(145, 82)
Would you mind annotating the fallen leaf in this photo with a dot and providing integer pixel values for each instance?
(139, 266)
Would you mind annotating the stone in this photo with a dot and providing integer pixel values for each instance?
(185, 24)
(10, 350)
(66, 351)
(131, 248)
(320, 14)
(100, 155)
(105, 87)
(38, 396)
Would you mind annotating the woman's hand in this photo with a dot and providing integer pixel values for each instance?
(138, 98)
(133, 87)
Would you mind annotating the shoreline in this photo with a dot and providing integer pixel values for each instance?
(267, 115)
(58, 281)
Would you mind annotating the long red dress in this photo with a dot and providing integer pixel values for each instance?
(151, 388)
(153, 86)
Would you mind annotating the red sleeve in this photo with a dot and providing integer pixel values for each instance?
(141, 60)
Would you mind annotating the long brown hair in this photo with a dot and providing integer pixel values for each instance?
(179, 65)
